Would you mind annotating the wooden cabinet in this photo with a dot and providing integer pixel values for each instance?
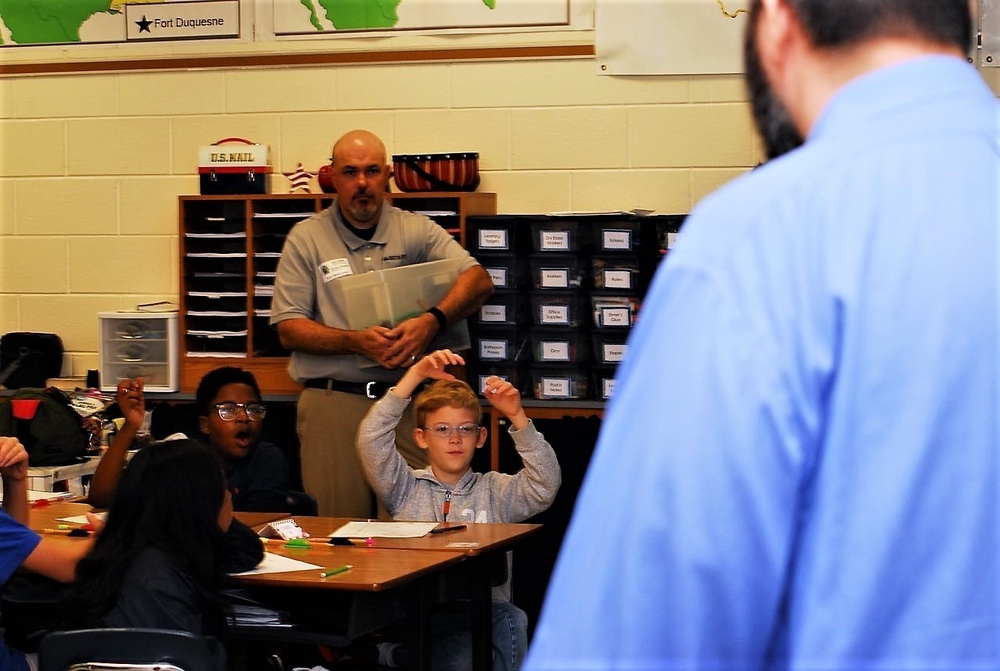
(229, 251)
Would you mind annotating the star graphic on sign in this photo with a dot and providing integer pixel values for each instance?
(299, 179)
(144, 24)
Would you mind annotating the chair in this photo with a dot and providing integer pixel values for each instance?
(301, 503)
(124, 649)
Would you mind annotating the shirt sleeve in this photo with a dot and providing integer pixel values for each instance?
(16, 543)
(385, 468)
(531, 490)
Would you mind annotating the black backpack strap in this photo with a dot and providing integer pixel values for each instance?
(12, 366)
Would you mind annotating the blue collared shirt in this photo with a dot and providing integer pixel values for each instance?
(799, 468)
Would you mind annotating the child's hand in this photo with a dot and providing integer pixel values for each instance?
(431, 366)
(13, 459)
(132, 400)
(505, 397)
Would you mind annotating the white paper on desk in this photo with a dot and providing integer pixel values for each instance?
(384, 530)
(274, 563)
(37, 495)
(82, 519)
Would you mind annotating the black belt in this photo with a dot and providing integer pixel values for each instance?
(370, 389)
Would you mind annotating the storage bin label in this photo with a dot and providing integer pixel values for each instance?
(617, 240)
(617, 279)
(499, 277)
(552, 241)
(554, 350)
(493, 313)
(607, 387)
(555, 278)
(493, 239)
(493, 349)
(555, 314)
(556, 387)
(613, 352)
(615, 317)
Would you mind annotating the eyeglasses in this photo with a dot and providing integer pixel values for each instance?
(469, 430)
(229, 411)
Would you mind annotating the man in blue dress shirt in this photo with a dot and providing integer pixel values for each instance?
(799, 468)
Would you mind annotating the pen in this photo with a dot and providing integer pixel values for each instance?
(326, 573)
(82, 533)
(441, 530)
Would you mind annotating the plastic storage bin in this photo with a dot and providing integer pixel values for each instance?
(503, 308)
(610, 347)
(560, 234)
(559, 308)
(616, 234)
(619, 274)
(614, 311)
(501, 344)
(134, 344)
(558, 271)
(604, 382)
(516, 374)
(560, 382)
(560, 345)
(500, 233)
(507, 271)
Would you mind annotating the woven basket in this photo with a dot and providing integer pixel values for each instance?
(436, 172)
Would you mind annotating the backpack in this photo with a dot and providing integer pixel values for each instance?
(46, 424)
(29, 359)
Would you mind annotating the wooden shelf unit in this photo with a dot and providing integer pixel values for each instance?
(229, 250)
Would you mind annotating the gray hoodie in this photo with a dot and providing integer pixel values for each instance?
(416, 495)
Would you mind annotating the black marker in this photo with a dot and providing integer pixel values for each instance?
(441, 530)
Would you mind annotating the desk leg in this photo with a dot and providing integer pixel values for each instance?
(419, 619)
(482, 615)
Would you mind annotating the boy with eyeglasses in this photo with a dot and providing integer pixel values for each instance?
(230, 414)
(448, 416)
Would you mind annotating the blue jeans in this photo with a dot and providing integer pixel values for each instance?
(452, 644)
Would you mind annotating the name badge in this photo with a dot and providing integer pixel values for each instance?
(334, 268)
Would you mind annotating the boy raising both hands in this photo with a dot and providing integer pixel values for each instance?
(448, 417)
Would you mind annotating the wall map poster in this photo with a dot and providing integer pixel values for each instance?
(327, 16)
(38, 22)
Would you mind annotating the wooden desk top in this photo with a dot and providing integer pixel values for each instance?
(474, 540)
(47, 516)
(373, 570)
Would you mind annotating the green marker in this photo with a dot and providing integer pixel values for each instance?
(326, 573)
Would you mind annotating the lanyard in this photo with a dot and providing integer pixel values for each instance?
(447, 504)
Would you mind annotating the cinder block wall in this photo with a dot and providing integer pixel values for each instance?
(91, 164)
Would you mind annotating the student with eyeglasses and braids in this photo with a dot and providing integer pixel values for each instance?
(447, 415)
(230, 414)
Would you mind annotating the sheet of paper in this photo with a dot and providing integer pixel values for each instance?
(273, 563)
(383, 530)
(82, 519)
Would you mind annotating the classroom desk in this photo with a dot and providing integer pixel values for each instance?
(478, 543)
(48, 516)
(356, 593)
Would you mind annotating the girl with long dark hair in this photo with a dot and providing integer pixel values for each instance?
(161, 558)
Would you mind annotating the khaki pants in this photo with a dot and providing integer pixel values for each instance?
(327, 425)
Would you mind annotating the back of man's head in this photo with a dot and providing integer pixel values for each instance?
(836, 23)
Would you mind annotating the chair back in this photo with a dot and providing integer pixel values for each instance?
(124, 649)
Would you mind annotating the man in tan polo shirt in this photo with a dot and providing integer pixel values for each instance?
(358, 233)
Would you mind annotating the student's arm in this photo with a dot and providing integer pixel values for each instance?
(104, 482)
(532, 489)
(14, 472)
(57, 559)
(432, 367)
(244, 548)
